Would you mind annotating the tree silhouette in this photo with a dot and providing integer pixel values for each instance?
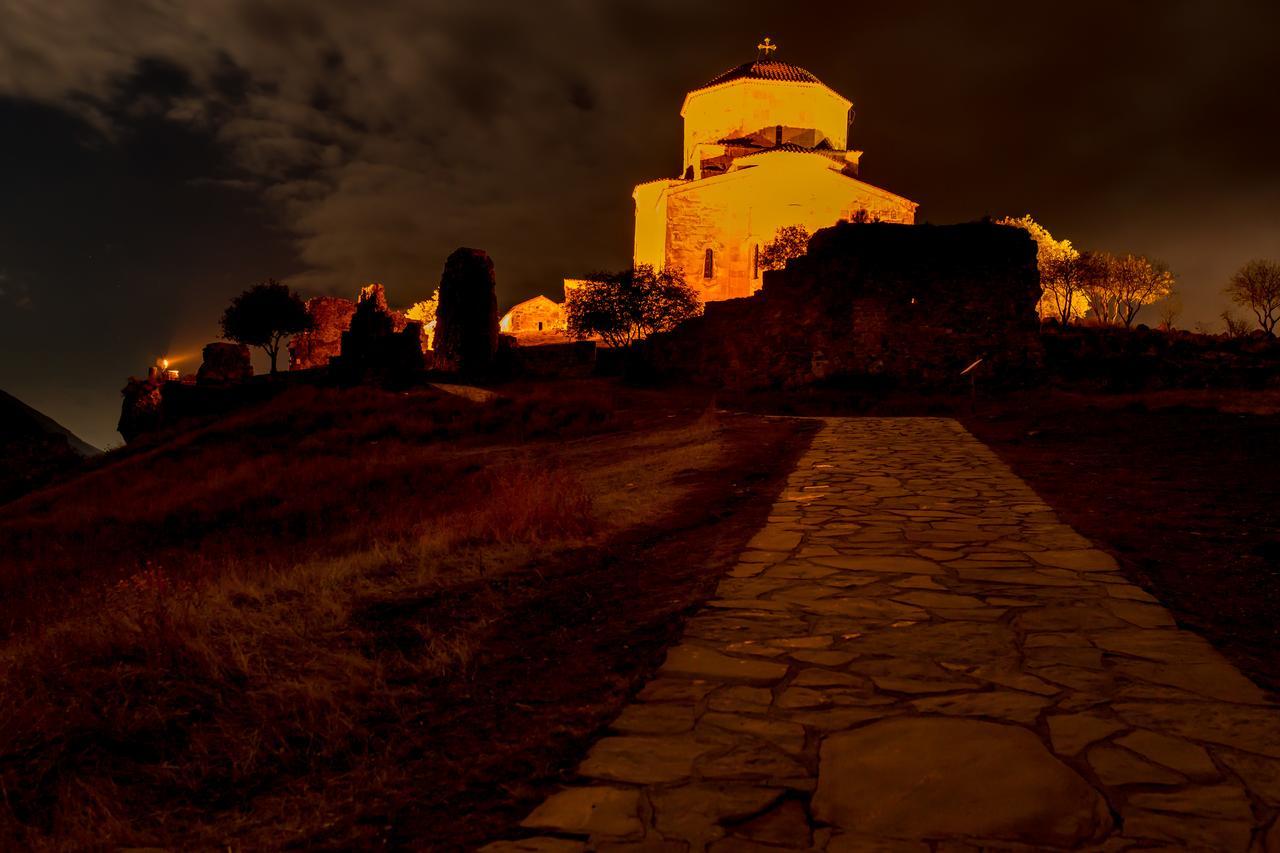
(263, 316)
(1256, 286)
(626, 306)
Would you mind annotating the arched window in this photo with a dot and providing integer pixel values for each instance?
(709, 265)
(539, 326)
(755, 261)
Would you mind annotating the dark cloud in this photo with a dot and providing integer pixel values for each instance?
(162, 155)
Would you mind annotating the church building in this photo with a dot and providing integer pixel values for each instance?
(765, 147)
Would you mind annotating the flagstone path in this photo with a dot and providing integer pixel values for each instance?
(916, 654)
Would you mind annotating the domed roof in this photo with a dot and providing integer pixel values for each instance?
(763, 69)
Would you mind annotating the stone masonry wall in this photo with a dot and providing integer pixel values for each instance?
(331, 316)
(911, 304)
(733, 214)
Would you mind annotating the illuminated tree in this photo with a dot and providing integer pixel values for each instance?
(1098, 289)
(1118, 287)
(424, 312)
(627, 306)
(1256, 286)
(791, 241)
(263, 316)
(1063, 271)
(1139, 281)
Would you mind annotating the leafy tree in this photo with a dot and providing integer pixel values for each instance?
(791, 241)
(1139, 281)
(424, 312)
(626, 306)
(1063, 271)
(1098, 288)
(1119, 286)
(1256, 286)
(263, 316)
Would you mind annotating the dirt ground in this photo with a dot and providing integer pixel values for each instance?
(1184, 487)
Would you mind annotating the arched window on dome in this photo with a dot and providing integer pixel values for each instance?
(709, 265)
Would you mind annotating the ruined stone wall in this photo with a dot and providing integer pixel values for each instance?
(377, 344)
(331, 316)
(559, 360)
(224, 363)
(732, 214)
(910, 304)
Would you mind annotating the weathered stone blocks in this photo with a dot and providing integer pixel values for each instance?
(879, 303)
(928, 777)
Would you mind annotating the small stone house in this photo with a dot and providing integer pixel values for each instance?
(534, 317)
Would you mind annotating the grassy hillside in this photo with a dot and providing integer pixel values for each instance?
(34, 448)
(355, 617)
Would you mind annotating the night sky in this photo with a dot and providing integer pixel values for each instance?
(159, 157)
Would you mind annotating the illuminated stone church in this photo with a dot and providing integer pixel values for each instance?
(765, 146)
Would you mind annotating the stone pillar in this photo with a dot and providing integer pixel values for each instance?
(466, 338)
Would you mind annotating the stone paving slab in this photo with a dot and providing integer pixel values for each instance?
(916, 654)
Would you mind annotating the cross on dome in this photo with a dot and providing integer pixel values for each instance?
(764, 48)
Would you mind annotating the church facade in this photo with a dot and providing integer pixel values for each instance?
(765, 146)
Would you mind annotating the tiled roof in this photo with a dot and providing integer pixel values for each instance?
(763, 69)
(792, 148)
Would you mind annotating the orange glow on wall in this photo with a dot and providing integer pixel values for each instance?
(534, 317)
(765, 146)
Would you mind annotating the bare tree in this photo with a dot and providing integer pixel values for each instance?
(1237, 327)
(1256, 286)
(1170, 311)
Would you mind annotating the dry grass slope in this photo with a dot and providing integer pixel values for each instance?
(260, 631)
